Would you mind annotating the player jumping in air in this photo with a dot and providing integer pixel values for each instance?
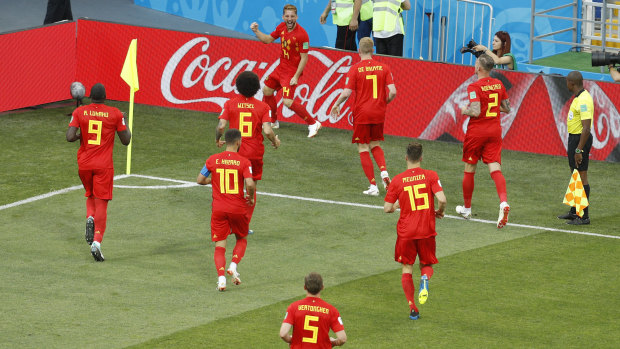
(415, 191)
(369, 79)
(97, 123)
(483, 139)
(251, 117)
(293, 59)
(230, 172)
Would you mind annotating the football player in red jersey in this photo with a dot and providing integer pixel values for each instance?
(311, 319)
(414, 191)
(374, 88)
(97, 123)
(251, 117)
(231, 173)
(293, 59)
(483, 139)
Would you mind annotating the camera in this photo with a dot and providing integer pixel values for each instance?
(605, 58)
(470, 48)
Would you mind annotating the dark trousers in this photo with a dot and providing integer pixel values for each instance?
(58, 10)
(345, 38)
(365, 29)
(392, 46)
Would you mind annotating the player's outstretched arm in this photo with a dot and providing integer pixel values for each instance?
(391, 92)
(346, 93)
(441, 199)
(264, 38)
(341, 338)
(285, 330)
(505, 106)
(72, 134)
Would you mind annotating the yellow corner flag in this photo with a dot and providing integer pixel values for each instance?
(575, 194)
(130, 75)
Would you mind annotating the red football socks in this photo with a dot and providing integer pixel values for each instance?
(377, 153)
(500, 185)
(367, 166)
(273, 105)
(219, 257)
(409, 290)
(302, 112)
(428, 270)
(90, 206)
(468, 188)
(239, 250)
(101, 216)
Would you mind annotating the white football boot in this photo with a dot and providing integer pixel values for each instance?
(372, 190)
(464, 212)
(314, 129)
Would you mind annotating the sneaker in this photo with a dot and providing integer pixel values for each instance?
(275, 125)
(314, 129)
(568, 215)
(386, 179)
(579, 221)
(90, 230)
(423, 295)
(464, 212)
(414, 315)
(504, 208)
(250, 231)
(221, 283)
(95, 250)
(235, 276)
(372, 190)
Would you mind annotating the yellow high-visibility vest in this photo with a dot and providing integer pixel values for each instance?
(344, 12)
(366, 10)
(385, 15)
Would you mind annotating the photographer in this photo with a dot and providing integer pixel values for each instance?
(615, 74)
(501, 51)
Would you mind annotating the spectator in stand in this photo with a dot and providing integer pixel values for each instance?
(58, 10)
(501, 51)
(615, 74)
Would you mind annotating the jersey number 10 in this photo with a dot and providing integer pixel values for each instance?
(228, 185)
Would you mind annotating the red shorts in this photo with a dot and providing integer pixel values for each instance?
(224, 223)
(487, 148)
(98, 183)
(257, 169)
(366, 133)
(281, 80)
(406, 250)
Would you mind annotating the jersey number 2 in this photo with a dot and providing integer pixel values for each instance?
(414, 193)
(491, 114)
(313, 329)
(94, 127)
(228, 185)
(245, 124)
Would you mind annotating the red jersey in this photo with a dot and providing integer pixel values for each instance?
(247, 115)
(97, 124)
(415, 191)
(369, 79)
(490, 93)
(312, 318)
(229, 171)
(293, 43)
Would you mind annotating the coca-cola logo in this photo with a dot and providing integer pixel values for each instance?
(201, 69)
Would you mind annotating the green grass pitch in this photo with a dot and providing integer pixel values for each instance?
(510, 288)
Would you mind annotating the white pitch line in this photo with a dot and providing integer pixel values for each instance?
(185, 184)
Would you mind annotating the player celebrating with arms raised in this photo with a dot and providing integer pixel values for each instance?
(97, 123)
(251, 117)
(369, 79)
(293, 59)
(229, 206)
(483, 139)
(414, 190)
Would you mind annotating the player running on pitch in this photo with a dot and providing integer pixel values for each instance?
(369, 79)
(251, 117)
(415, 190)
(483, 139)
(230, 172)
(293, 59)
(97, 123)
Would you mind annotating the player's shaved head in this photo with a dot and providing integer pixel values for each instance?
(247, 83)
(313, 283)
(289, 7)
(232, 135)
(485, 62)
(366, 45)
(97, 92)
(414, 152)
(576, 78)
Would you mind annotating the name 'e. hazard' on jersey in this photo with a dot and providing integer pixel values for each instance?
(248, 115)
(490, 92)
(229, 171)
(415, 190)
(292, 44)
(369, 79)
(97, 123)
(312, 318)
(581, 108)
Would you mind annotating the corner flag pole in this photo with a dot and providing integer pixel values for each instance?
(130, 75)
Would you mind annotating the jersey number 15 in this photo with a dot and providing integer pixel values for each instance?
(414, 193)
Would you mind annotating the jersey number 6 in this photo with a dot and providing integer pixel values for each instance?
(245, 124)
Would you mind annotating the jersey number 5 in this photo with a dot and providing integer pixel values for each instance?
(94, 127)
(491, 114)
(245, 124)
(374, 85)
(414, 193)
(313, 329)
(228, 185)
